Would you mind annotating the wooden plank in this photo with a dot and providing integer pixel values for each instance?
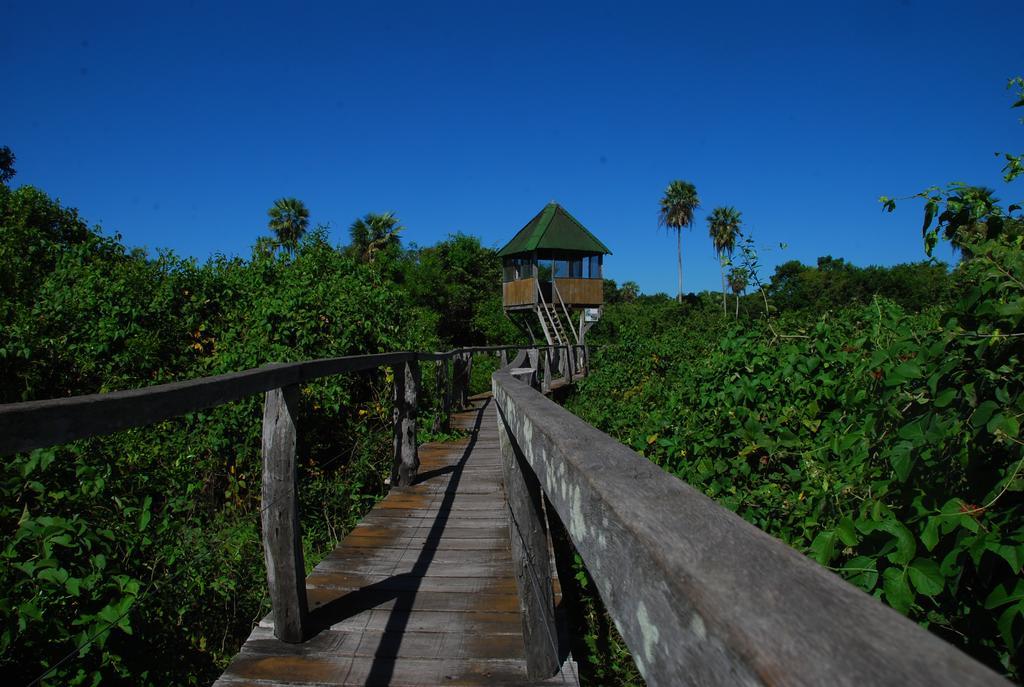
(345, 602)
(460, 570)
(581, 292)
(335, 670)
(342, 557)
(406, 581)
(384, 644)
(282, 537)
(519, 292)
(428, 543)
(488, 622)
(698, 592)
(386, 518)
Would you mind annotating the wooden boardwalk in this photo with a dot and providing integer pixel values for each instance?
(421, 592)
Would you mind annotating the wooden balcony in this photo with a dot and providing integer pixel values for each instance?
(519, 293)
(580, 292)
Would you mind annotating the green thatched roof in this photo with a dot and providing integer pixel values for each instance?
(553, 229)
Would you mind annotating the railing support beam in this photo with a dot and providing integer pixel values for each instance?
(443, 422)
(545, 385)
(282, 534)
(405, 393)
(461, 371)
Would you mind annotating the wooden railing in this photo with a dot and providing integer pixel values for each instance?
(579, 292)
(38, 424)
(699, 595)
(519, 292)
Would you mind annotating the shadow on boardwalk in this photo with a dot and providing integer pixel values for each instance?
(421, 592)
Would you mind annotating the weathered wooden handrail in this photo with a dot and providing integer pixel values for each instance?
(699, 595)
(38, 424)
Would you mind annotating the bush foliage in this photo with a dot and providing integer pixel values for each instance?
(142, 548)
(883, 443)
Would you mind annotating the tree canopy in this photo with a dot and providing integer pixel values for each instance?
(289, 220)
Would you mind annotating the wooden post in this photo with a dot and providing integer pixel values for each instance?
(406, 390)
(458, 376)
(469, 377)
(282, 535)
(443, 422)
(530, 561)
(533, 355)
(545, 384)
(446, 399)
(504, 358)
(436, 427)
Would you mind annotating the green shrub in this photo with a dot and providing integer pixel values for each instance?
(886, 445)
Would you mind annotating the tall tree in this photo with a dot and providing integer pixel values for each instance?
(373, 233)
(677, 207)
(724, 228)
(289, 220)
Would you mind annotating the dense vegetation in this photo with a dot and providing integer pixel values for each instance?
(874, 430)
(146, 542)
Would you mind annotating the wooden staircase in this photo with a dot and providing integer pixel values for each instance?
(553, 325)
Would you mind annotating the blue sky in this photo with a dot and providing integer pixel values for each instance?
(178, 124)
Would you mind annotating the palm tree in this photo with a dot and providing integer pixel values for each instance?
(289, 220)
(677, 208)
(374, 233)
(724, 228)
(738, 279)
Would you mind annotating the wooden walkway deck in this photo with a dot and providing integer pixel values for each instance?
(421, 592)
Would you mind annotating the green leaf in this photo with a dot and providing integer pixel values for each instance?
(29, 610)
(904, 372)
(1005, 623)
(930, 533)
(862, 571)
(906, 545)
(901, 457)
(925, 575)
(1001, 595)
(944, 398)
(56, 576)
(1007, 424)
(146, 514)
(929, 214)
(823, 547)
(1014, 555)
(897, 592)
(846, 532)
(982, 413)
